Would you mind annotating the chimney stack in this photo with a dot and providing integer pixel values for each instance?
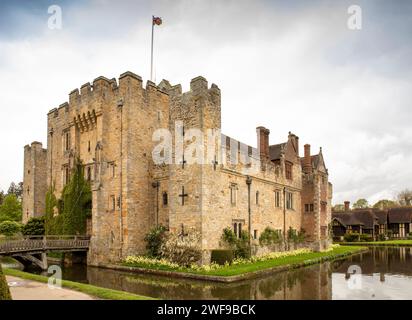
(307, 162)
(347, 206)
(263, 142)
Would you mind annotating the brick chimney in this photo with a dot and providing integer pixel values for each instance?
(347, 205)
(263, 142)
(307, 162)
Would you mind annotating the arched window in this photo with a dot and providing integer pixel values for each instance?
(240, 230)
(235, 228)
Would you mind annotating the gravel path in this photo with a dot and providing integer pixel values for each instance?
(31, 290)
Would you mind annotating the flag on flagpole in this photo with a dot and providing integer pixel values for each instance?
(157, 21)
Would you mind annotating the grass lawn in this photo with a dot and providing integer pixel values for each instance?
(97, 292)
(290, 262)
(384, 243)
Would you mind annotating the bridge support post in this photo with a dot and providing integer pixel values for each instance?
(44, 265)
(42, 262)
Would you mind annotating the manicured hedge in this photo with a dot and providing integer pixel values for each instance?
(222, 256)
(4, 288)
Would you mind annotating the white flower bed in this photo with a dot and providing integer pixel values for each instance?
(152, 262)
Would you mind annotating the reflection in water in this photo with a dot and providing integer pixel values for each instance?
(386, 273)
(307, 283)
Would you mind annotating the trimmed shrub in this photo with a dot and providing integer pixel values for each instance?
(154, 240)
(34, 227)
(9, 228)
(222, 257)
(365, 237)
(351, 237)
(4, 288)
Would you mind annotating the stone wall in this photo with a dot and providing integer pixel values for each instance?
(110, 127)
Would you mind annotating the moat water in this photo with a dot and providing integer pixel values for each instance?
(381, 273)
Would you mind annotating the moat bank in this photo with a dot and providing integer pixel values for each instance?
(386, 274)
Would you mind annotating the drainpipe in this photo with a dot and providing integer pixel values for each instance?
(284, 216)
(51, 158)
(249, 182)
(120, 106)
(156, 185)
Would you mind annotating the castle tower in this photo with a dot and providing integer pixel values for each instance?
(316, 198)
(34, 181)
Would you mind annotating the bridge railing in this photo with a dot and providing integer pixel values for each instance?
(33, 243)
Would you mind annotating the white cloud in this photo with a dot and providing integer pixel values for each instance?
(288, 69)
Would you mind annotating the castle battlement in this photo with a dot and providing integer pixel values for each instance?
(35, 146)
(101, 87)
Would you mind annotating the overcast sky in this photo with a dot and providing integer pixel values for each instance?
(287, 65)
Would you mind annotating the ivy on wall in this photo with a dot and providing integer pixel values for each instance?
(68, 215)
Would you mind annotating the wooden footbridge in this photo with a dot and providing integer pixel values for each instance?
(35, 248)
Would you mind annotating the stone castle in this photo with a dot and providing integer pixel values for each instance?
(110, 126)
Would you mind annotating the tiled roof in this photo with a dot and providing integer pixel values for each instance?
(400, 215)
(275, 151)
(382, 216)
(365, 218)
(369, 217)
(346, 218)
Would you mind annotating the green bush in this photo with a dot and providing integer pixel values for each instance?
(222, 256)
(154, 240)
(270, 236)
(240, 246)
(229, 237)
(34, 227)
(295, 236)
(4, 288)
(243, 246)
(10, 209)
(381, 237)
(364, 237)
(351, 237)
(9, 228)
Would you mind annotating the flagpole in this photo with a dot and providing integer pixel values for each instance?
(151, 60)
